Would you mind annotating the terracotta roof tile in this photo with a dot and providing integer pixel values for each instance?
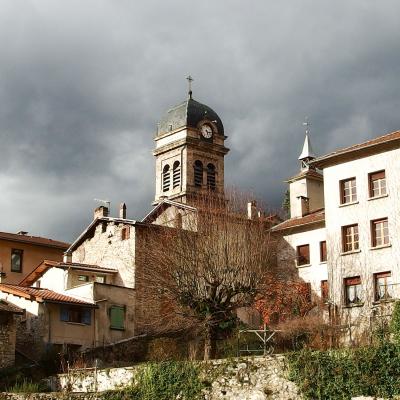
(310, 172)
(36, 240)
(311, 218)
(44, 266)
(9, 308)
(381, 140)
(40, 294)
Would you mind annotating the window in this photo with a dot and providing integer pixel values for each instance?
(380, 232)
(100, 279)
(16, 260)
(117, 317)
(103, 227)
(322, 251)
(83, 278)
(125, 233)
(198, 173)
(377, 184)
(176, 174)
(348, 191)
(303, 254)
(383, 286)
(353, 295)
(166, 179)
(75, 314)
(350, 238)
(324, 291)
(211, 177)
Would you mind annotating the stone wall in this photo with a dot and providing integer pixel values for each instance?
(255, 378)
(7, 339)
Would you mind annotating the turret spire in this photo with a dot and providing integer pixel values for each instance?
(307, 153)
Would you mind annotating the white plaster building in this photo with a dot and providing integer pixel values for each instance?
(359, 223)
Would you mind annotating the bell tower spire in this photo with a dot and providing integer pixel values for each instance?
(307, 153)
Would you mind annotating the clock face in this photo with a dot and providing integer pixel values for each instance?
(206, 131)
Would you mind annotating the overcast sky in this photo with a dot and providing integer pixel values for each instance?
(84, 83)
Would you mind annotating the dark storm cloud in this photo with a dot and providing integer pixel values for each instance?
(83, 84)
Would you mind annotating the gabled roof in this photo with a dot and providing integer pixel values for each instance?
(377, 145)
(35, 240)
(89, 230)
(310, 173)
(314, 217)
(6, 307)
(162, 206)
(42, 295)
(43, 267)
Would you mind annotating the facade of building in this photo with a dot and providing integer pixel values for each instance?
(21, 253)
(349, 249)
(91, 296)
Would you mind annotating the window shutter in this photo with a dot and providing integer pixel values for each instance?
(117, 317)
(64, 313)
(86, 316)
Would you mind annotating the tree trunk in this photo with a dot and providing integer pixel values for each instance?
(209, 343)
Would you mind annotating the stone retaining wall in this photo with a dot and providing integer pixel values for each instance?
(255, 378)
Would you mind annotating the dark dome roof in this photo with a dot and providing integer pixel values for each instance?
(189, 113)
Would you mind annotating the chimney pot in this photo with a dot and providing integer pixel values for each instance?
(304, 205)
(252, 210)
(101, 211)
(122, 211)
(67, 257)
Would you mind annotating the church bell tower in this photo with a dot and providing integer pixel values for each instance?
(189, 152)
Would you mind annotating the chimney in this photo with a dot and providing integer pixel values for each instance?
(67, 258)
(122, 211)
(304, 205)
(101, 211)
(252, 210)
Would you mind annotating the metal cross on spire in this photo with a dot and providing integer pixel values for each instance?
(190, 80)
(307, 124)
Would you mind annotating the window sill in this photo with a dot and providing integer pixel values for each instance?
(378, 197)
(348, 204)
(346, 253)
(378, 302)
(381, 247)
(303, 265)
(322, 262)
(116, 329)
(353, 305)
(76, 323)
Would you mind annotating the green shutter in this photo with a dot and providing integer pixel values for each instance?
(117, 317)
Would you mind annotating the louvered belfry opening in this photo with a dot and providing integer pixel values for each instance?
(211, 176)
(198, 173)
(166, 179)
(176, 174)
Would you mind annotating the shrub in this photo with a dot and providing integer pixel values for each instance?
(395, 323)
(163, 381)
(342, 374)
(24, 387)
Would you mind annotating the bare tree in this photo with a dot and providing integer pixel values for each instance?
(200, 274)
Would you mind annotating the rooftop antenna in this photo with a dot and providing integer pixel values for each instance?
(107, 203)
(190, 80)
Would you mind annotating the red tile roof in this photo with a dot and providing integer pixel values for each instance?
(309, 173)
(40, 295)
(377, 143)
(47, 264)
(9, 308)
(311, 218)
(36, 240)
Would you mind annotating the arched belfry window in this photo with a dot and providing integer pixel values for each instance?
(176, 174)
(166, 179)
(211, 176)
(198, 173)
